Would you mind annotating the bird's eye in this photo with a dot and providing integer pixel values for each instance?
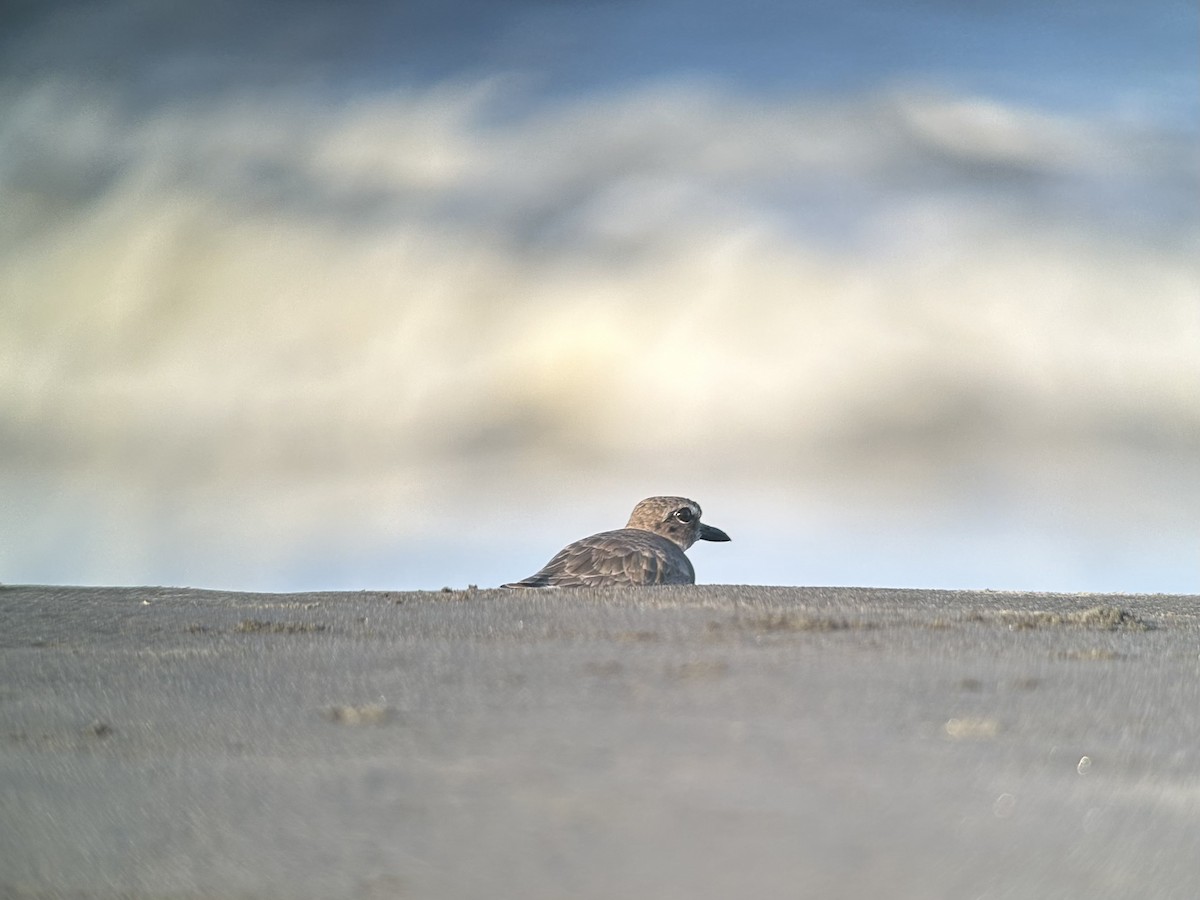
(684, 515)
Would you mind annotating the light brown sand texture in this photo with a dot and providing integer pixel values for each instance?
(685, 742)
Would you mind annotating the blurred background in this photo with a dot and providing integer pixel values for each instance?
(314, 295)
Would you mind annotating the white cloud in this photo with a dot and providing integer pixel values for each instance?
(407, 291)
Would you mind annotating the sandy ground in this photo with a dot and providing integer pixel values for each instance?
(660, 743)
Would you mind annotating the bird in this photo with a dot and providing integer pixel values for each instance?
(648, 550)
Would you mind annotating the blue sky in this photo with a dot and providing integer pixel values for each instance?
(1097, 57)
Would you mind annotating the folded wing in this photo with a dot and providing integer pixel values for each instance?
(625, 556)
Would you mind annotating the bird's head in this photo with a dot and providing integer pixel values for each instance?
(675, 518)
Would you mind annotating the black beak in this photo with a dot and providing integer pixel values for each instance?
(708, 533)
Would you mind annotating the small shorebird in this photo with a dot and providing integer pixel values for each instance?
(648, 550)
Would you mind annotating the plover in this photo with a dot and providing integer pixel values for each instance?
(648, 550)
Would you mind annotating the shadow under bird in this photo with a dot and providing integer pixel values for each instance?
(648, 550)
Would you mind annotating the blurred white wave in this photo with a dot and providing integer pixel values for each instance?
(265, 340)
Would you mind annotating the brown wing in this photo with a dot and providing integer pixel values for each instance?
(625, 556)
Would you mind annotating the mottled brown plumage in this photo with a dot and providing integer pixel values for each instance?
(648, 550)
